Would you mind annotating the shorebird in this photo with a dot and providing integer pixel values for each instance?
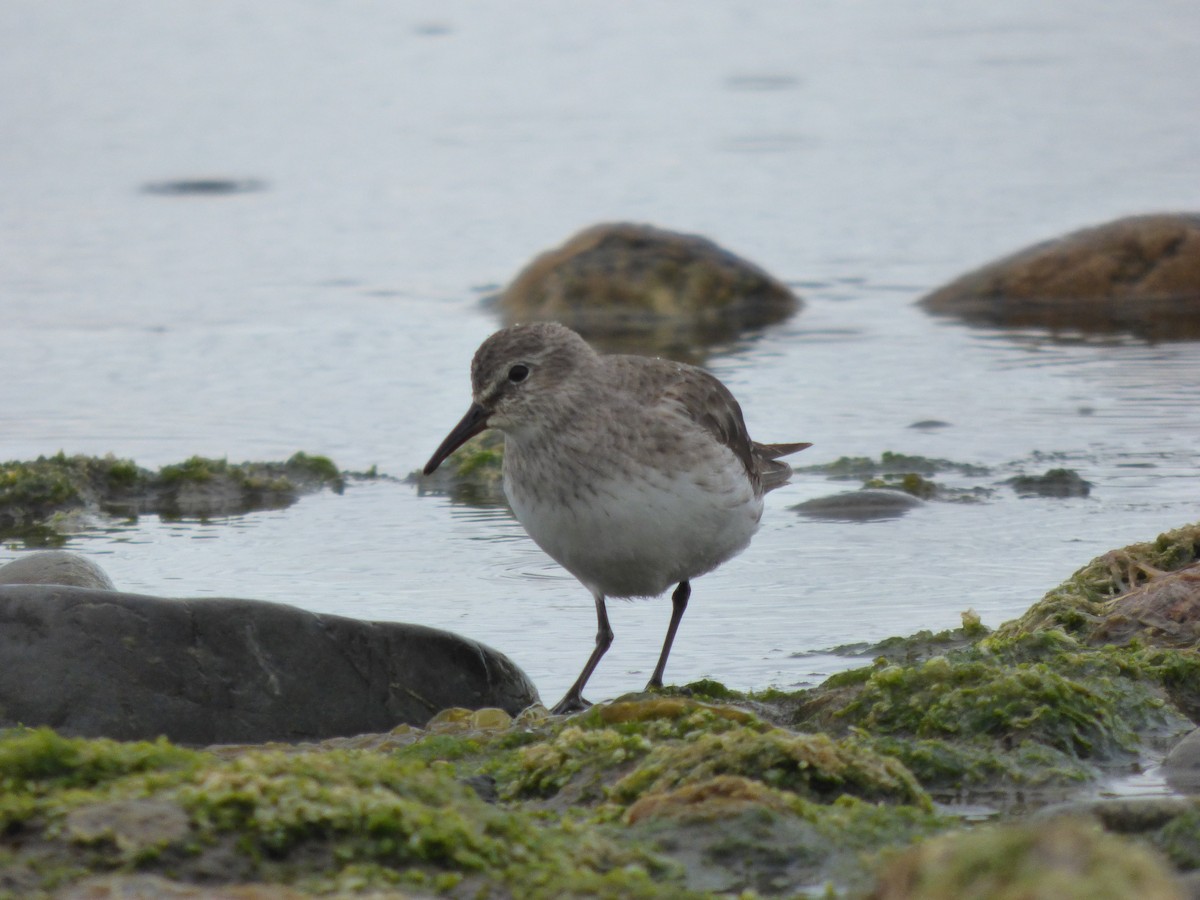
(632, 473)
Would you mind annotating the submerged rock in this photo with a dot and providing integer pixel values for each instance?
(1054, 483)
(1140, 274)
(627, 286)
(868, 504)
(206, 671)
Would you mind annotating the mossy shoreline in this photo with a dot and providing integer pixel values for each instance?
(867, 785)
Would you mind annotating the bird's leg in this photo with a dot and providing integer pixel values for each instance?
(574, 701)
(679, 601)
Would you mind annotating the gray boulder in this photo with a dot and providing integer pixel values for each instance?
(1182, 765)
(55, 567)
(99, 663)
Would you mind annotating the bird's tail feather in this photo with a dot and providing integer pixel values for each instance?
(772, 471)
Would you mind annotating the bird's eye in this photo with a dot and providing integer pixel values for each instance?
(518, 373)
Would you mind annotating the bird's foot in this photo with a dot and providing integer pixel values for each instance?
(573, 702)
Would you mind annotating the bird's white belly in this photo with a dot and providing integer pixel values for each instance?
(627, 537)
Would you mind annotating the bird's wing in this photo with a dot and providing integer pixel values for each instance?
(701, 397)
(691, 392)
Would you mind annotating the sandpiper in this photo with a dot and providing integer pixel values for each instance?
(634, 474)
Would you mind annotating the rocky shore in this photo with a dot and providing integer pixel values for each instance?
(971, 760)
(227, 748)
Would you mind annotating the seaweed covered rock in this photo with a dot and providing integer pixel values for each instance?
(1139, 274)
(36, 496)
(204, 671)
(1147, 591)
(635, 286)
(405, 810)
(323, 821)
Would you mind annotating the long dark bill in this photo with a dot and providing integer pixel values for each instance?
(475, 421)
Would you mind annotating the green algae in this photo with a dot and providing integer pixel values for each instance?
(947, 767)
(966, 699)
(971, 711)
(813, 766)
(1090, 704)
(299, 471)
(36, 764)
(890, 463)
(584, 759)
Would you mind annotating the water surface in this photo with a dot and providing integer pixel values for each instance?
(398, 160)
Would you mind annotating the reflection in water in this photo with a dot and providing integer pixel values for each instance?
(205, 187)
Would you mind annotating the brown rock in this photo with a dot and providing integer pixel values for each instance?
(1139, 275)
(656, 287)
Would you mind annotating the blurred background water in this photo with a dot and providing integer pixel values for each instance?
(394, 162)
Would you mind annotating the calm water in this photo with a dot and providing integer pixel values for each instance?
(411, 155)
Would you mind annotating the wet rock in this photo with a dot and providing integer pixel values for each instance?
(636, 287)
(1138, 275)
(870, 504)
(56, 567)
(1060, 858)
(1181, 767)
(1054, 483)
(206, 671)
